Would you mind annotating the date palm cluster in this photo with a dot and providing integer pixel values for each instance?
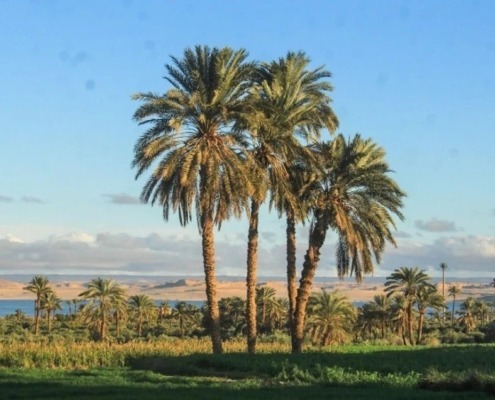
(400, 314)
(230, 134)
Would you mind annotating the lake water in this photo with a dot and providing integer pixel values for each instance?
(8, 307)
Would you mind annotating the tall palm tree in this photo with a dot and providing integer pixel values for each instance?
(443, 267)
(103, 295)
(427, 297)
(331, 317)
(142, 308)
(408, 282)
(355, 197)
(39, 286)
(50, 302)
(287, 101)
(200, 165)
(454, 291)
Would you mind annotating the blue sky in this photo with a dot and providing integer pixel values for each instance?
(415, 76)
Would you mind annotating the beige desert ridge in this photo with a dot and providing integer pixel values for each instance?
(194, 289)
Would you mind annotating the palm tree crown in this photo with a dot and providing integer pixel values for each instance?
(39, 286)
(103, 296)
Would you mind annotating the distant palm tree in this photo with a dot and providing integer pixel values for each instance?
(483, 311)
(39, 286)
(443, 267)
(408, 282)
(399, 315)
(467, 311)
(427, 297)
(184, 312)
(454, 291)
(331, 317)
(103, 295)
(200, 163)
(264, 296)
(50, 303)
(142, 308)
(164, 310)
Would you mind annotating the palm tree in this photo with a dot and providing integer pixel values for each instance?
(287, 101)
(382, 305)
(39, 286)
(50, 303)
(164, 310)
(443, 267)
(142, 307)
(103, 296)
(467, 311)
(482, 311)
(454, 290)
(408, 282)
(264, 296)
(399, 314)
(200, 163)
(427, 297)
(355, 197)
(183, 312)
(331, 317)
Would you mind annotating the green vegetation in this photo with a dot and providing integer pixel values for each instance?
(161, 371)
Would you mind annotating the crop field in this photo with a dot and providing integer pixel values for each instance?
(184, 369)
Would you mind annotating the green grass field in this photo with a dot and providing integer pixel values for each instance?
(355, 372)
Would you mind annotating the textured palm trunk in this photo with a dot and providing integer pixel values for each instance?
(139, 327)
(252, 268)
(208, 245)
(291, 265)
(312, 257)
(49, 321)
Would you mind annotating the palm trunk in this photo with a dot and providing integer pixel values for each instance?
(443, 293)
(403, 331)
(420, 324)
(312, 257)
(103, 322)
(210, 280)
(409, 324)
(453, 310)
(291, 265)
(49, 321)
(139, 327)
(252, 267)
(37, 316)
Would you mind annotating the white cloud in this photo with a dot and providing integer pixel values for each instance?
(436, 225)
(32, 199)
(122, 198)
(6, 199)
(104, 253)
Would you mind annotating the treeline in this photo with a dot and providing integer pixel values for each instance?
(411, 311)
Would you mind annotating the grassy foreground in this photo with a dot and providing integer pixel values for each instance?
(358, 372)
